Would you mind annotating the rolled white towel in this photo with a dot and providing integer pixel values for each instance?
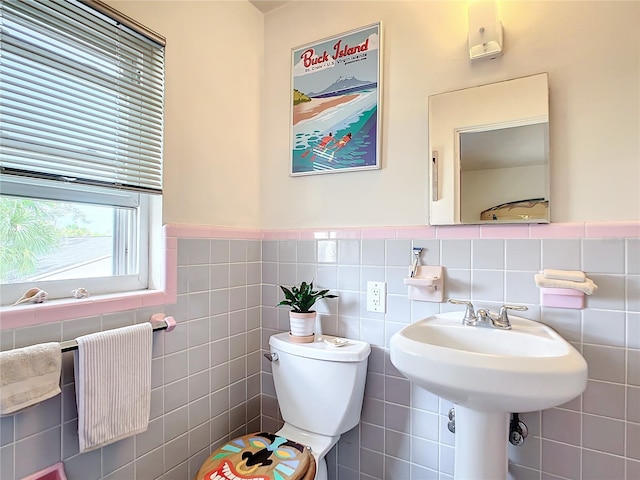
(587, 286)
(570, 275)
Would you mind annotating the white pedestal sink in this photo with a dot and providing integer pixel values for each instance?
(488, 373)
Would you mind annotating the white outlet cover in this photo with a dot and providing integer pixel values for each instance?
(377, 297)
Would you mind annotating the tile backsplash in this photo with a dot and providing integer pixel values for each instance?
(211, 383)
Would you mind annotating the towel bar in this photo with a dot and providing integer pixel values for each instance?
(158, 321)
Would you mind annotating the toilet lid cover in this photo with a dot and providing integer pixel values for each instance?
(259, 456)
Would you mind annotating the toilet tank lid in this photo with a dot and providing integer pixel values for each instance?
(322, 348)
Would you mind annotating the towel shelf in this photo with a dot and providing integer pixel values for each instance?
(158, 320)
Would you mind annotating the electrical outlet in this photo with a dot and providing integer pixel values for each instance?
(377, 297)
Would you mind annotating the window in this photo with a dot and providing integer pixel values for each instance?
(81, 96)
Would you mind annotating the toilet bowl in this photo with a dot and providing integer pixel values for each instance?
(320, 389)
(319, 446)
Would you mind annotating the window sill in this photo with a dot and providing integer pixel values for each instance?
(71, 308)
(67, 309)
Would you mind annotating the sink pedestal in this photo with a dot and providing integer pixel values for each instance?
(481, 444)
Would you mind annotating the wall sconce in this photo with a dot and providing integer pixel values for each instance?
(485, 30)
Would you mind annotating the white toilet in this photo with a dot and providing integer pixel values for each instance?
(320, 388)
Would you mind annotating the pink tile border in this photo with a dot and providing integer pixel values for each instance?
(170, 243)
(345, 233)
(421, 232)
(378, 232)
(458, 231)
(504, 231)
(204, 231)
(612, 230)
(557, 230)
(312, 235)
(629, 229)
(282, 234)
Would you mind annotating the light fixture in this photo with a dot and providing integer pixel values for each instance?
(485, 30)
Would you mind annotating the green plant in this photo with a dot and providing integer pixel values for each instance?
(27, 230)
(302, 298)
(30, 229)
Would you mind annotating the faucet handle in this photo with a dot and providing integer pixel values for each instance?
(469, 314)
(503, 319)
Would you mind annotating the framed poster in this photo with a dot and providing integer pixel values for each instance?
(335, 104)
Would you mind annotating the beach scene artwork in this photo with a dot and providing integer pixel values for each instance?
(335, 103)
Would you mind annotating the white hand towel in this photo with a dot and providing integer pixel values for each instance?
(571, 275)
(113, 385)
(29, 375)
(587, 286)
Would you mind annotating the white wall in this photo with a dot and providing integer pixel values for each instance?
(212, 108)
(228, 103)
(591, 51)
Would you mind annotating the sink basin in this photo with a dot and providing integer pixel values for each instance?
(527, 368)
(488, 373)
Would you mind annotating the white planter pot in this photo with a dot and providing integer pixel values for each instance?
(302, 324)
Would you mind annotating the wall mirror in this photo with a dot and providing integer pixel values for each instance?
(490, 153)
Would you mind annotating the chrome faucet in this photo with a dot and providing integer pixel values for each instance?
(484, 318)
(503, 320)
(470, 317)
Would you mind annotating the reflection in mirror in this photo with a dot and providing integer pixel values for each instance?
(490, 153)
(514, 158)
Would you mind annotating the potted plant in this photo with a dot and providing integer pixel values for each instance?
(302, 318)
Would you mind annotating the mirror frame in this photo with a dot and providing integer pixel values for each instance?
(481, 108)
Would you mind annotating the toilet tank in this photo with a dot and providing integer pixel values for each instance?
(320, 387)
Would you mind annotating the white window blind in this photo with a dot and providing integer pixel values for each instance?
(81, 97)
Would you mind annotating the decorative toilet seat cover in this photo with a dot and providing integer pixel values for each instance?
(259, 456)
